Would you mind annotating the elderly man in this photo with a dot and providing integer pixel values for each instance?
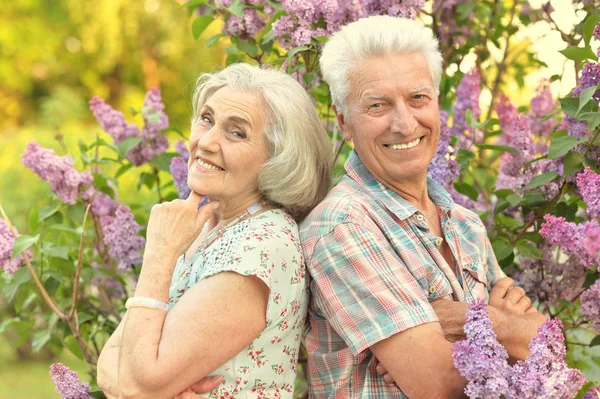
(393, 259)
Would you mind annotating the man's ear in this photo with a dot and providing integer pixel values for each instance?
(341, 120)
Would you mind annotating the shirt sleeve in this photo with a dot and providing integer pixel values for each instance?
(364, 289)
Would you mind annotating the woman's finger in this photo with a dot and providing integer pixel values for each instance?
(515, 294)
(499, 290)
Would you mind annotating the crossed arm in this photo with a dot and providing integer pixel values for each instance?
(406, 356)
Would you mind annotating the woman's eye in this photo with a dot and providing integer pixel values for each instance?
(206, 118)
(238, 134)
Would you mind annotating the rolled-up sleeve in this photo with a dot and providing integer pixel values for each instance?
(363, 288)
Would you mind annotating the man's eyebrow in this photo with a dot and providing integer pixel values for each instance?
(427, 87)
(374, 97)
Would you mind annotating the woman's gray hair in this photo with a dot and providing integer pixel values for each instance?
(297, 175)
(375, 36)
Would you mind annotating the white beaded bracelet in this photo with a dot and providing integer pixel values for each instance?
(143, 302)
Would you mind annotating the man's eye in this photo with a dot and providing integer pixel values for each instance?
(418, 97)
(376, 105)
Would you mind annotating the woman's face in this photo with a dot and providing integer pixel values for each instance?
(228, 146)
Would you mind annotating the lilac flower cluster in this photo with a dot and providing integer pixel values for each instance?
(467, 98)
(310, 19)
(252, 21)
(480, 358)
(179, 171)
(448, 28)
(570, 236)
(67, 383)
(591, 243)
(593, 393)
(182, 149)
(483, 361)
(121, 237)
(590, 304)
(155, 120)
(7, 242)
(443, 167)
(588, 183)
(596, 35)
(56, 170)
(544, 374)
(541, 105)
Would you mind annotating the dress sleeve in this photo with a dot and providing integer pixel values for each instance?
(365, 291)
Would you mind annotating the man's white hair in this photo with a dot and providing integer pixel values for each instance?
(370, 37)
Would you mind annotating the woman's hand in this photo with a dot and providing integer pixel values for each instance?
(173, 226)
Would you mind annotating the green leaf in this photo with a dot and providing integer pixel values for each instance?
(542, 179)
(269, 37)
(585, 96)
(293, 52)
(588, 28)
(584, 389)
(200, 24)
(593, 122)
(572, 163)
(534, 199)
(502, 247)
(97, 395)
(163, 161)
(570, 106)
(595, 341)
(590, 279)
(236, 8)
(194, 3)
(34, 223)
(124, 168)
(22, 243)
(578, 53)
(503, 148)
(71, 344)
(561, 145)
(514, 199)
(47, 211)
(211, 41)
(529, 251)
(467, 190)
(40, 339)
(55, 251)
(7, 323)
(249, 48)
(124, 146)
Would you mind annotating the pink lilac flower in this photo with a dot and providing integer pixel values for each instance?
(179, 171)
(542, 104)
(56, 170)
(182, 149)
(591, 244)
(102, 204)
(112, 121)
(480, 358)
(121, 237)
(571, 237)
(590, 76)
(588, 183)
(590, 305)
(544, 374)
(467, 98)
(67, 383)
(507, 113)
(7, 242)
(154, 116)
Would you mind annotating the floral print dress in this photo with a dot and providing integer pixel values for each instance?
(266, 246)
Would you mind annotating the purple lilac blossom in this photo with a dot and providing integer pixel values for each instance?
(443, 167)
(113, 288)
(112, 121)
(571, 237)
(56, 170)
(544, 374)
(542, 104)
(179, 171)
(182, 149)
(588, 183)
(590, 76)
(67, 383)
(102, 204)
(593, 393)
(590, 305)
(154, 116)
(121, 237)
(467, 98)
(7, 242)
(480, 358)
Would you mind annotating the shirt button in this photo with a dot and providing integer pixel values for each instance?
(420, 217)
(432, 289)
(438, 242)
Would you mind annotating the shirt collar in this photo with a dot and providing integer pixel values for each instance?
(403, 209)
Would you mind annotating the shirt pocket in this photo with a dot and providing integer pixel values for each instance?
(475, 282)
(435, 285)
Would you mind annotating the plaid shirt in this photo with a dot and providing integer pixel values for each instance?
(375, 267)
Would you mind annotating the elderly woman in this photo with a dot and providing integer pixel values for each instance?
(223, 290)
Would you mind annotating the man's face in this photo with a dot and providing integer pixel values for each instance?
(393, 117)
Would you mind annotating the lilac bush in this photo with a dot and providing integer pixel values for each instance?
(67, 383)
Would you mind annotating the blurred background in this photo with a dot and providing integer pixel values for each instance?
(57, 54)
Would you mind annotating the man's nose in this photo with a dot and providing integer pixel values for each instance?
(403, 120)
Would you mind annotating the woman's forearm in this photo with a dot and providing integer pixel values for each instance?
(108, 372)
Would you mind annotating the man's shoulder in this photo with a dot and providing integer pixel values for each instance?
(347, 202)
(466, 218)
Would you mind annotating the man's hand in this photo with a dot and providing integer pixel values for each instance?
(508, 298)
(205, 385)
